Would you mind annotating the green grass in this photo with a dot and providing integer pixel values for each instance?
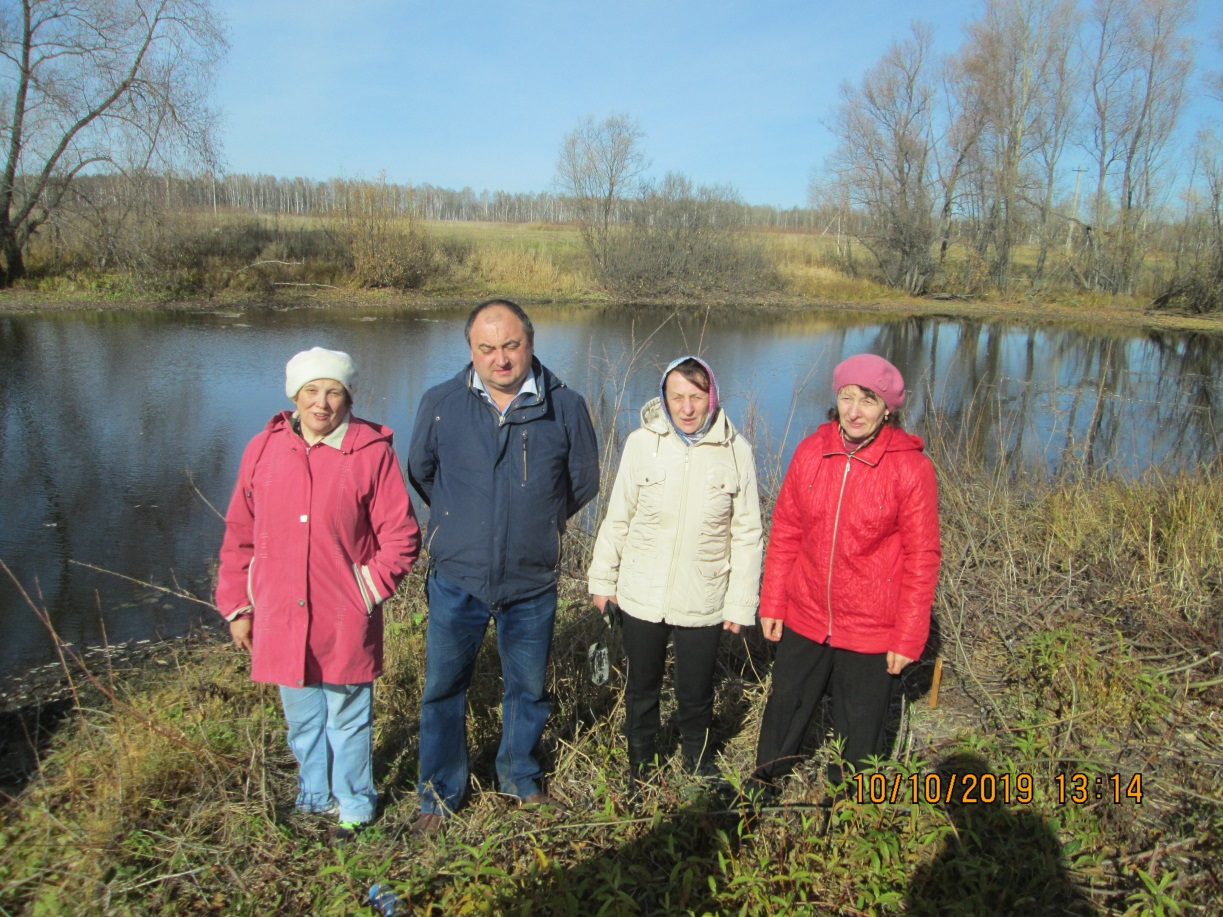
(1078, 623)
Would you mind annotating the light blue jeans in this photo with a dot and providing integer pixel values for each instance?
(331, 732)
(457, 621)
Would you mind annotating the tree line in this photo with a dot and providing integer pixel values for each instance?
(1053, 127)
(270, 195)
(1042, 153)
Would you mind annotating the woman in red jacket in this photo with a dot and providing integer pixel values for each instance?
(319, 532)
(849, 572)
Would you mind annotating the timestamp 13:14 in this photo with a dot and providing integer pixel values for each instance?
(1078, 789)
(987, 788)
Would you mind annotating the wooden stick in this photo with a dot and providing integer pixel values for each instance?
(938, 678)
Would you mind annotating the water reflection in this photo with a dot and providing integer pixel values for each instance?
(119, 429)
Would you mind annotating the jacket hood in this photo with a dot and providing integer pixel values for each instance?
(361, 433)
(655, 419)
(890, 439)
(714, 400)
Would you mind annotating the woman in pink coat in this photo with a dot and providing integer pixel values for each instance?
(319, 532)
(849, 572)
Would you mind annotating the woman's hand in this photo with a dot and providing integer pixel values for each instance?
(602, 600)
(897, 662)
(240, 633)
(771, 628)
(731, 626)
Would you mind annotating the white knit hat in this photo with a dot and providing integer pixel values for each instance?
(318, 363)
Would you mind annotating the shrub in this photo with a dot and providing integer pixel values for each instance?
(685, 242)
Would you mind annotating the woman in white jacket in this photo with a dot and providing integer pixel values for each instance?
(680, 552)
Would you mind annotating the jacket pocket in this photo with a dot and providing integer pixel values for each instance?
(363, 589)
(649, 483)
(721, 488)
(716, 578)
(641, 544)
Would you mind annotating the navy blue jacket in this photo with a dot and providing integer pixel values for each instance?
(499, 491)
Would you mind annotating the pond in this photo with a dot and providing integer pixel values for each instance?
(122, 431)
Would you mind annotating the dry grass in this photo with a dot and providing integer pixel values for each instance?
(1079, 621)
(199, 256)
(528, 272)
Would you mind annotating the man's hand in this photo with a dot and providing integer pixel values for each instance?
(602, 600)
(240, 633)
(771, 628)
(731, 626)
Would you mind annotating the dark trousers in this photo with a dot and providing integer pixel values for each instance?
(696, 654)
(803, 671)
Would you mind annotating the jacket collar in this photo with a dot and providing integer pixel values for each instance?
(654, 419)
(529, 409)
(890, 439)
(356, 433)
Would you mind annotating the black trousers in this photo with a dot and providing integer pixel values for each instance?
(696, 654)
(803, 671)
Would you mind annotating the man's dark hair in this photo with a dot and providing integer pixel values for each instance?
(506, 304)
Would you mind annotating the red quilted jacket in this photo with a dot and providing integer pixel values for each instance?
(854, 552)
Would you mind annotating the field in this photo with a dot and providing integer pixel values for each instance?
(286, 260)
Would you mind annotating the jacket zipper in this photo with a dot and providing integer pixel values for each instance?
(832, 551)
(524, 458)
(683, 503)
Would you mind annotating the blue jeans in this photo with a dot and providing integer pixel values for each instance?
(331, 730)
(457, 622)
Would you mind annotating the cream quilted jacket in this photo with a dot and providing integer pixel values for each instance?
(682, 542)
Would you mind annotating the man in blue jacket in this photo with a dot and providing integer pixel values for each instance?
(503, 454)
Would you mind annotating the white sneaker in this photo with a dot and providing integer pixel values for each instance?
(332, 810)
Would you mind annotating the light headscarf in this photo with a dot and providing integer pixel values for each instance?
(690, 438)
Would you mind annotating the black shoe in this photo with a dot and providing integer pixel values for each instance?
(702, 768)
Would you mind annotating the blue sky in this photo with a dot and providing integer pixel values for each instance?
(460, 93)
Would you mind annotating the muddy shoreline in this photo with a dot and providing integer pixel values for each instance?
(1122, 314)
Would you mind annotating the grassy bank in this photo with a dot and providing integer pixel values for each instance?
(204, 260)
(1078, 622)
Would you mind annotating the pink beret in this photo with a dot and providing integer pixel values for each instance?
(869, 371)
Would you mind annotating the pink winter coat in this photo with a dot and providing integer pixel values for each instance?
(315, 539)
(854, 551)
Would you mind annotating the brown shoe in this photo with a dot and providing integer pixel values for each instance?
(542, 802)
(427, 825)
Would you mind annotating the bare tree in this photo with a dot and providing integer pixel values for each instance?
(1215, 80)
(95, 85)
(885, 158)
(1139, 65)
(1008, 80)
(955, 152)
(1056, 119)
(600, 162)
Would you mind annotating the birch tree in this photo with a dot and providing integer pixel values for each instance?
(89, 86)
